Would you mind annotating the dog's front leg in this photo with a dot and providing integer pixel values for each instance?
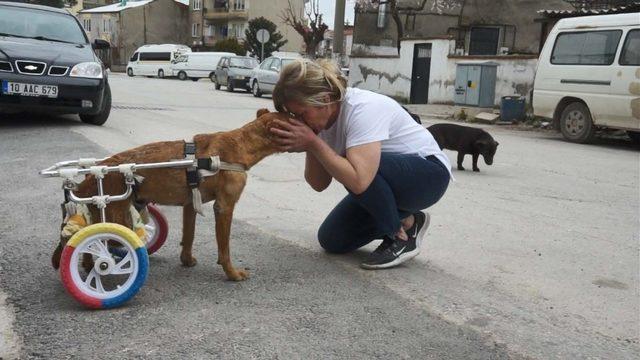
(224, 213)
(188, 233)
(475, 161)
(460, 159)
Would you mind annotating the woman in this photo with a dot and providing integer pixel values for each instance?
(391, 166)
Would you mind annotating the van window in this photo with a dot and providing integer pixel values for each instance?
(155, 56)
(586, 48)
(134, 57)
(631, 49)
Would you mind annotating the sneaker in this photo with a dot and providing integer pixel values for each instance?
(393, 252)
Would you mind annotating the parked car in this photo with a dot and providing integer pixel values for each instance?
(264, 77)
(234, 72)
(155, 60)
(48, 65)
(587, 76)
(197, 65)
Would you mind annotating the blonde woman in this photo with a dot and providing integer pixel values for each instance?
(391, 166)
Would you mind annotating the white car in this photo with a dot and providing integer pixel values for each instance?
(588, 76)
(197, 65)
(265, 76)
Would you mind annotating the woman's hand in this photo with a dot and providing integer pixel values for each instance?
(293, 135)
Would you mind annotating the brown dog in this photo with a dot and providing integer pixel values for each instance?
(168, 186)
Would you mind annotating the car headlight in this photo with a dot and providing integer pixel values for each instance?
(87, 70)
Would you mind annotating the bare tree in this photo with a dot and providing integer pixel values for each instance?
(437, 6)
(311, 27)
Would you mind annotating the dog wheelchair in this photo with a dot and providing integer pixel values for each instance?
(119, 254)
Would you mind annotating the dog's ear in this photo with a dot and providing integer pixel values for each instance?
(261, 112)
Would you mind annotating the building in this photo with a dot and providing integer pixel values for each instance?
(442, 35)
(129, 25)
(214, 20)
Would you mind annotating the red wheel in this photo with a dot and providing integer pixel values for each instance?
(156, 229)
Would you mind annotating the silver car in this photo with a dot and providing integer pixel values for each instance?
(234, 72)
(264, 77)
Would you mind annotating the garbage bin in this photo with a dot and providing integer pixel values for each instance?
(512, 108)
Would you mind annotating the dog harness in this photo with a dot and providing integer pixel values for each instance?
(202, 168)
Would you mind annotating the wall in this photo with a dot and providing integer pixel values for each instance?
(515, 74)
(272, 9)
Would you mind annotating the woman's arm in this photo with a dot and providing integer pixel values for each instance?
(356, 171)
(315, 174)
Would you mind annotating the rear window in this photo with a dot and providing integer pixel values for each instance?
(46, 25)
(245, 63)
(155, 56)
(630, 54)
(586, 48)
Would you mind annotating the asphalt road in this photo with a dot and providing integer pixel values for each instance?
(535, 256)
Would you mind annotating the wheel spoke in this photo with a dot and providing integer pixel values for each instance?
(93, 275)
(119, 270)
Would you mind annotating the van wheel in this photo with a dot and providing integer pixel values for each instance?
(130, 71)
(101, 117)
(576, 124)
(212, 77)
(634, 136)
(161, 74)
(181, 75)
(255, 89)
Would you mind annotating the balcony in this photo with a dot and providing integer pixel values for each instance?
(219, 10)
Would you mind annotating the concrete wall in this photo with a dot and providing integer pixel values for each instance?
(391, 75)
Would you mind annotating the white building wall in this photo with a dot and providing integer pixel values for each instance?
(391, 75)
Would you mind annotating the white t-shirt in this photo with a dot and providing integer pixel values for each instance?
(367, 117)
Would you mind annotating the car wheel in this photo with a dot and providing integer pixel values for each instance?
(229, 86)
(181, 75)
(101, 117)
(634, 136)
(212, 77)
(255, 89)
(161, 74)
(130, 71)
(576, 124)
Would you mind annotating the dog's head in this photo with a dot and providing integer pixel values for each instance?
(487, 147)
(267, 120)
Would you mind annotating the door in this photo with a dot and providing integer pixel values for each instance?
(460, 89)
(272, 74)
(624, 103)
(473, 85)
(222, 71)
(420, 73)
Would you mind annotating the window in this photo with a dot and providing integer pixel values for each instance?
(484, 40)
(106, 25)
(211, 30)
(630, 54)
(237, 31)
(266, 64)
(382, 15)
(86, 23)
(134, 57)
(155, 56)
(195, 30)
(586, 48)
(238, 5)
(197, 4)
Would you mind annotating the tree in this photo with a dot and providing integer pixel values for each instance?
(52, 3)
(252, 44)
(230, 45)
(437, 6)
(313, 33)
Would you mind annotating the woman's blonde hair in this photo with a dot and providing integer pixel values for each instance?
(309, 82)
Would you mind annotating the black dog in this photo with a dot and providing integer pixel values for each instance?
(465, 140)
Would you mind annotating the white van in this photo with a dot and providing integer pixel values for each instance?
(197, 65)
(588, 76)
(154, 60)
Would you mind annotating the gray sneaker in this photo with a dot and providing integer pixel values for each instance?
(393, 252)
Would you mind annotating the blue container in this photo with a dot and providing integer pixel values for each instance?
(512, 108)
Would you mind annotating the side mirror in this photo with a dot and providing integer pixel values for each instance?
(100, 44)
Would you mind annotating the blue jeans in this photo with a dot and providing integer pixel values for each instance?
(404, 184)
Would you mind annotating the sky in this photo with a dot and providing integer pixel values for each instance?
(328, 9)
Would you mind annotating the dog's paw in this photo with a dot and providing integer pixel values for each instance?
(188, 260)
(239, 275)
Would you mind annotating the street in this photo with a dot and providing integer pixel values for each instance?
(535, 256)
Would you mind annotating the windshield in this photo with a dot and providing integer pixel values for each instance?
(39, 24)
(245, 63)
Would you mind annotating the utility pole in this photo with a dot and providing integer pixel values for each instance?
(338, 28)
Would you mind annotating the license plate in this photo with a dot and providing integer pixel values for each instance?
(14, 88)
